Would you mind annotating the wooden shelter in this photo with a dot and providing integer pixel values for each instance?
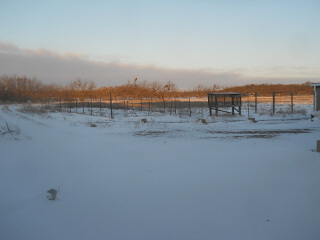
(316, 87)
(219, 101)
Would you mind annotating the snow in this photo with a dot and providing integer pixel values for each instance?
(170, 178)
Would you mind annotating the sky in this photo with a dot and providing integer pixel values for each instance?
(188, 42)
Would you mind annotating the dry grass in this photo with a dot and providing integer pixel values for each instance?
(37, 109)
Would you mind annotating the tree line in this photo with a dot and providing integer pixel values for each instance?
(24, 89)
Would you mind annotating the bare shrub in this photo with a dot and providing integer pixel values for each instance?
(36, 109)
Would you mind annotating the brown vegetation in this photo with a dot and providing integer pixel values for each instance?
(23, 89)
(267, 89)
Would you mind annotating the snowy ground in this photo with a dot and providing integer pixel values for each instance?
(170, 178)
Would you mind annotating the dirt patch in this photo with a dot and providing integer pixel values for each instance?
(151, 133)
(245, 134)
(253, 132)
(258, 133)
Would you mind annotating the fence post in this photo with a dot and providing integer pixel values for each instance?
(91, 106)
(175, 106)
(255, 102)
(189, 107)
(216, 105)
(141, 104)
(291, 102)
(273, 102)
(209, 105)
(232, 103)
(171, 107)
(164, 106)
(240, 106)
(82, 106)
(76, 105)
(111, 106)
(248, 105)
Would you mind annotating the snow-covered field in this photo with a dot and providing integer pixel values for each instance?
(170, 178)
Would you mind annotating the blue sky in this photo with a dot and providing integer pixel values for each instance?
(250, 39)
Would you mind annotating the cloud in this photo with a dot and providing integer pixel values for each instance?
(60, 68)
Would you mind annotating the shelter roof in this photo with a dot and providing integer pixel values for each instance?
(225, 93)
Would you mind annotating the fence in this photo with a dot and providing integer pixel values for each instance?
(180, 106)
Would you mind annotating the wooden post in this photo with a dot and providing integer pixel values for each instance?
(141, 105)
(248, 105)
(202, 106)
(240, 105)
(76, 105)
(91, 106)
(216, 105)
(175, 106)
(209, 104)
(273, 102)
(232, 103)
(189, 107)
(291, 102)
(171, 107)
(83, 106)
(111, 113)
(255, 102)
(164, 106)
(318, 146)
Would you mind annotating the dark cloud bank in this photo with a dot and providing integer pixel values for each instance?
(54, 68)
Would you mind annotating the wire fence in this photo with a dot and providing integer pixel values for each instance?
(110, 107)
